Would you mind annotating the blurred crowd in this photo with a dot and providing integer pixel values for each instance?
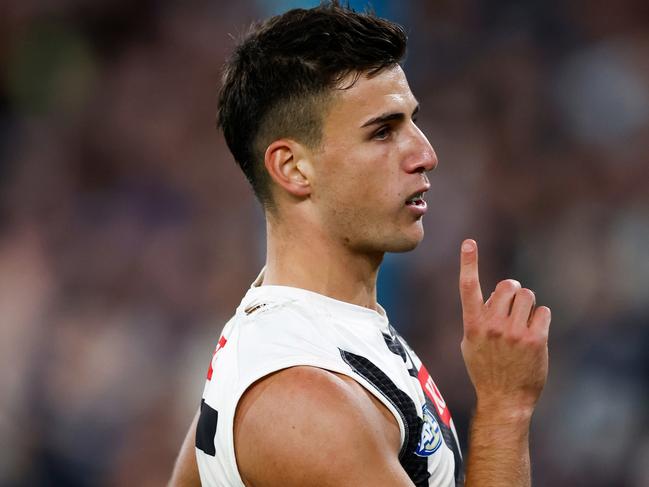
(128, 235)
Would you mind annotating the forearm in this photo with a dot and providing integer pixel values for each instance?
(505, 348)
(499, 449)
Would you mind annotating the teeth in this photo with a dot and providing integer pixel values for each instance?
(416, 198)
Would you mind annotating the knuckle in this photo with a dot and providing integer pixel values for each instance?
(508, 286)
(513, 337)
(494, 331)
(470, 332)
(536, 340)
(526, 293)
(545, 312)
(466, 283)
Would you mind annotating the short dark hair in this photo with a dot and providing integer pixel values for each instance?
(279, 78)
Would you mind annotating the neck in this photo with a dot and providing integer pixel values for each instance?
(314, 262)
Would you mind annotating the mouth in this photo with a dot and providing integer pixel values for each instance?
(417, 204)
(416, 199)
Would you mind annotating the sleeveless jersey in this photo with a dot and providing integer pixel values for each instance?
(276, 327)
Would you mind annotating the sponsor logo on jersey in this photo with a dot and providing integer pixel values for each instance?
(431, 390)
(431, 435)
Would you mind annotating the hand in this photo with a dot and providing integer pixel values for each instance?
(505, 340)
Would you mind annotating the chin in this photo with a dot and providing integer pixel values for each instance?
(404, 242)
(403, 246)
(396, 241)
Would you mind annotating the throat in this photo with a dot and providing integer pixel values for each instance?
(322, 265)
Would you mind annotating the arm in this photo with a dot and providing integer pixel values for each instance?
(185, 473)
(506, 355)
(307, 426)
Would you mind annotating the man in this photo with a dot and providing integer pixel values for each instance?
(309, 384)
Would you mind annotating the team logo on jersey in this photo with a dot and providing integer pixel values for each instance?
(431, 435)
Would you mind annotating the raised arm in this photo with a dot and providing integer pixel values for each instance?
(307, 426)
(506, 354)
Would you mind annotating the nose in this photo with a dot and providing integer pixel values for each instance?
(421, 157)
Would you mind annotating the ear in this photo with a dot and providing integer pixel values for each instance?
(288, 164)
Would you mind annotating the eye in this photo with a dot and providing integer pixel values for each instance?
(382, 133)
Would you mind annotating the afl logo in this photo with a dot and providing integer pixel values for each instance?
(431, 435)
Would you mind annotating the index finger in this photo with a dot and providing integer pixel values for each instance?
(470, 292)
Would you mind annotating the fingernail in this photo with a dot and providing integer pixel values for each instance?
(467, 246)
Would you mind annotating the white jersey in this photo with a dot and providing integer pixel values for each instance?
(276, 327)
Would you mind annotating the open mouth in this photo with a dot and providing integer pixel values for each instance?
(416, 200)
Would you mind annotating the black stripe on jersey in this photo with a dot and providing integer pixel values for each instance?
(395, 345)
(415, 466)
(206, 429)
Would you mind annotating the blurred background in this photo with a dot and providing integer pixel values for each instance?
(128, 235)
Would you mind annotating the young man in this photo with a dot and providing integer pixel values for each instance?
(309, 384)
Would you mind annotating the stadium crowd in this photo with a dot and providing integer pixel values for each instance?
(128, 235)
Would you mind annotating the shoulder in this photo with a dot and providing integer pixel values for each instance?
(305, 423)
(277, 335)
(271, 315)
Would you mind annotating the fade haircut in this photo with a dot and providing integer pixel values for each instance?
(281, 76)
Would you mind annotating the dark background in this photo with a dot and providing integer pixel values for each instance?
(128, 235)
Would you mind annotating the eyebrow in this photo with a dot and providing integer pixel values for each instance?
(389, 117)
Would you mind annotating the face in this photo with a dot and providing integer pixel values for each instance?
(371, 166)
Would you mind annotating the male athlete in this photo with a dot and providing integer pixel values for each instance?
(309, 384)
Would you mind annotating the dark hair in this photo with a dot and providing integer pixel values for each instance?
(279, 78)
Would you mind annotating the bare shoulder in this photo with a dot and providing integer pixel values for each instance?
(309, 426)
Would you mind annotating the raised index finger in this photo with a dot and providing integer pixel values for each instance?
(470, 292)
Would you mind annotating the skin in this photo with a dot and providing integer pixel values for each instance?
(340, 207)
(344, 202)
(185, 472)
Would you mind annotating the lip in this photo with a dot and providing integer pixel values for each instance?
(421, 208)
(421, 190)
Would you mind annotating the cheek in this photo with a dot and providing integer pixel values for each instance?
(366, 192)
(363, 179)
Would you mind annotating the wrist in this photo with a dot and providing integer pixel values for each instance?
(503, 413)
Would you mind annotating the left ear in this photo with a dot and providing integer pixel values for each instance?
(288, 164)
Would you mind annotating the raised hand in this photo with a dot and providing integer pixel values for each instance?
(505, 340)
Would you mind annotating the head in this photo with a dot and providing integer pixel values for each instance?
(318, 114)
